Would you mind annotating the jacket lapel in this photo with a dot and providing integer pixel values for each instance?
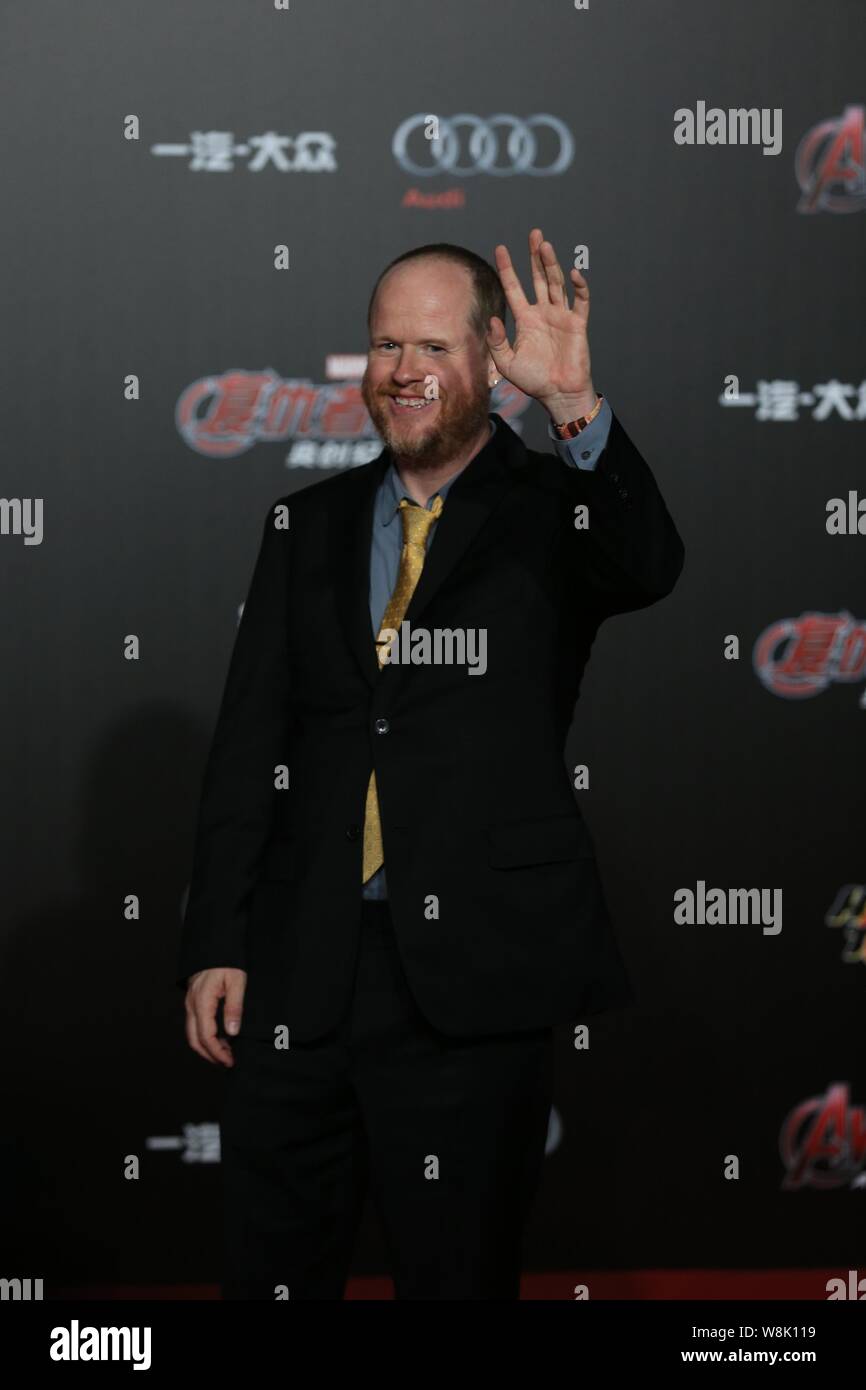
(470, 501)
(351, 527)
(471, 498)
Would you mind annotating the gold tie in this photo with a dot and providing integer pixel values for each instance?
(416, 526)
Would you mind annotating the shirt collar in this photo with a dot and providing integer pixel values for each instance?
(392, 491)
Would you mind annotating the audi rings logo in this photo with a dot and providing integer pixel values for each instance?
(500, 145)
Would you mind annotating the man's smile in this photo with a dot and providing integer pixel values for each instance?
(403, 405)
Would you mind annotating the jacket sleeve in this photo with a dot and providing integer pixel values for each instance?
(251, 737)
(630, 554)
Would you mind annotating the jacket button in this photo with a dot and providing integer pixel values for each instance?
(587, 454)
(381, 726)
(352, 832)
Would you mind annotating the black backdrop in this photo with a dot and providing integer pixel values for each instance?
(123, 259)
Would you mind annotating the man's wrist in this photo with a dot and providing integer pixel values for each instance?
(569, 405)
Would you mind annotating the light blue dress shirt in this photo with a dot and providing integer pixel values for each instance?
(387, 540)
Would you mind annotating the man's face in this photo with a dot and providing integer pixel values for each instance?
(419, 328)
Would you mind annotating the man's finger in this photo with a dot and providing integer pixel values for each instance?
(233, 1005)
(498, 345)
(555, 280)
(581, 288)
(539, 278)
(517, 300)
(192, 1035)
(206, 1026)
(496, 336)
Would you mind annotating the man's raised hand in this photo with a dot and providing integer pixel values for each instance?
(550, 357)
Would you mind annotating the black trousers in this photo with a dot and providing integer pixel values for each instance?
(447, 1134)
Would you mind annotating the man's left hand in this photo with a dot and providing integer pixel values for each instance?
(550, 357)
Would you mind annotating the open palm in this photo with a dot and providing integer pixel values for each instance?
(550, 356)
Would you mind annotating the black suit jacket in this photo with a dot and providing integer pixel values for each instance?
(496, 900)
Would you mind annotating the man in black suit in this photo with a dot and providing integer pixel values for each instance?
(394, 894)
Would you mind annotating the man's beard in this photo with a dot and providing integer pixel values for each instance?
(460, 418)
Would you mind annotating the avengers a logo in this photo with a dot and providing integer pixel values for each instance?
(849, 913)
(223, 416)
(500, 145)
(823, 1142)
(799, 657)
(829, 165)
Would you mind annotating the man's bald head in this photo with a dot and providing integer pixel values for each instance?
(487, 295)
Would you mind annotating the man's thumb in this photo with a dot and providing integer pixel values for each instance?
(233, 1006)
(496, 336)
